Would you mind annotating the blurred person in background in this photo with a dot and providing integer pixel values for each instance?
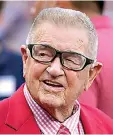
(17, 20)
(10, 66)
(100, 94)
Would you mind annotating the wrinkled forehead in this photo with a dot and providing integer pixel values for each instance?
(60, 36)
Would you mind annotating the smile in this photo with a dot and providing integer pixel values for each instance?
(53, 86)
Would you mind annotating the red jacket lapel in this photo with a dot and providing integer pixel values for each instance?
(95, 121)
(20, 117)
(21, 120)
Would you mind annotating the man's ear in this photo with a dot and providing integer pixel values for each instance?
(24, 58)
(93, 72)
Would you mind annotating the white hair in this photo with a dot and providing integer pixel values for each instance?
(67, 17)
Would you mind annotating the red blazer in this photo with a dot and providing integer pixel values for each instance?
(16, 117)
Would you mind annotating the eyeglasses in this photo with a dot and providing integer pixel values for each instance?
(45, 54)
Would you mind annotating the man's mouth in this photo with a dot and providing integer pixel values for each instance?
(53, 84)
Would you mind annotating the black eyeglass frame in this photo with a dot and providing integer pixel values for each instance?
(59, 54)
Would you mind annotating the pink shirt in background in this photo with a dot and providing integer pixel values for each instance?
(100, 94)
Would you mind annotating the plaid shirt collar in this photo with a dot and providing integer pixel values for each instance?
(46, 122)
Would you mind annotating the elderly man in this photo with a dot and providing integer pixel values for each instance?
(59, 63)
(100, 94)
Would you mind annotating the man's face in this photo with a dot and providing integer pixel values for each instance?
(52, 85)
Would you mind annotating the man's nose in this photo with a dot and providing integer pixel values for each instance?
(55, 69)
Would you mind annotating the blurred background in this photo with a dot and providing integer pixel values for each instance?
(109, 9)
(18, 18)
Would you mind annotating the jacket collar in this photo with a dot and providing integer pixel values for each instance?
(19, 114)
(20, 117)
(95, 121)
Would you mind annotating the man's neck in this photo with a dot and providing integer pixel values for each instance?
(61, 113)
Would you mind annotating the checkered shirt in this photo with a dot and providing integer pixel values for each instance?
(50, 126)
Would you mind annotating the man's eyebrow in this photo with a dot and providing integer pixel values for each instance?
(74, 51)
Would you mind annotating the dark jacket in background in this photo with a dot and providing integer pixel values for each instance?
(10, 66)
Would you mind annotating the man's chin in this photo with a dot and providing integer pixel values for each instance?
(51, 101)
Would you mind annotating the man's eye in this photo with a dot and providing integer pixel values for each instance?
(41, 54)
(73, 61)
